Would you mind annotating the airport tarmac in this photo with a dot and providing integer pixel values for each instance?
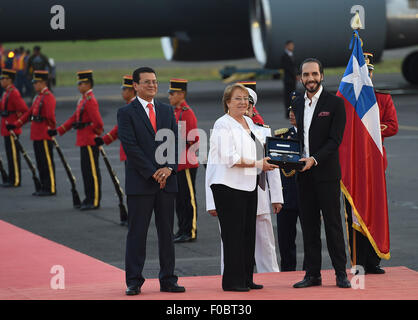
(98, 233)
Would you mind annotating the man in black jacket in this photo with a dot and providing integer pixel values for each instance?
(320, 121)
(290, 74)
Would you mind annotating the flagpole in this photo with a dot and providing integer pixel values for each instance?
(354, 247)
(355, 25)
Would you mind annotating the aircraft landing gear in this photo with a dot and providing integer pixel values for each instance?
(410, 68)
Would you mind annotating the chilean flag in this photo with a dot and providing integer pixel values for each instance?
(361, 153)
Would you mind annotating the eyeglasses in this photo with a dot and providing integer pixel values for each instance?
(148, 82)
(241, 99)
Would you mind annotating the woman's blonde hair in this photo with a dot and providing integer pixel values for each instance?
(229, 90)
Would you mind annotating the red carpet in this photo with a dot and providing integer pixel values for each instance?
(26, 261)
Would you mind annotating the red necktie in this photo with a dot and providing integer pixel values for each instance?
(152, 116)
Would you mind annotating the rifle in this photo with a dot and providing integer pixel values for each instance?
(28, 161)
(4, 175)
(122, 210)
(76, 197)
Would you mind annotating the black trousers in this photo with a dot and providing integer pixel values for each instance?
(140, 208)
(45, 163)
(363, 254)
(13, 161)
(316, 198)
(186, 207)
(237, 213)
(286, 237)
(91, 174)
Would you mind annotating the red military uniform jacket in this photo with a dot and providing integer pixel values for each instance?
(257, 119)
(43, 106)
(111, 136)
(187, 159)
(14, 103)
(388, 118)
(87, 112)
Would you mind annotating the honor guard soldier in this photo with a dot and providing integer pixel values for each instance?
(186, 206)
(287, 218)
(11, 108)
(42, 115)
(128, 94)
(363, 253)
(89, 124)
(253, 113)
(387, 111)
(271, 196)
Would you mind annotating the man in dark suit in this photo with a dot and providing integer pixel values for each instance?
(288, 216)
(320, 121)
(290, 74)
(151, 183)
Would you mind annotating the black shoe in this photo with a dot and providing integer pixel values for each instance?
(88, 206)
(9, 185)
(132, 291)
(255, 286)
(173, 288)
(308, 281)
(183, 238)
(237, 289)
(45, 193)
(375, 270)
(342, 282)
(124, 223)
(36, 193)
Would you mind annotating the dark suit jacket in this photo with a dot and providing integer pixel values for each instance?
(289, 67)
(138, 140)
(325, 134)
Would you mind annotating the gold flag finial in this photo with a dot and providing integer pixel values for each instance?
(356, 22)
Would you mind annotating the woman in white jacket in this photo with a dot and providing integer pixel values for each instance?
(232, 176)
(271, 196)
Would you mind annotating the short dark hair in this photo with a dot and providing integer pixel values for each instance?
(308, 60)
(137, 72)
(288, 41)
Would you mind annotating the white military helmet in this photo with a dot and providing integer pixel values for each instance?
(253, 95)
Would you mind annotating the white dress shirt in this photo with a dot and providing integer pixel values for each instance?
(289, 53)
(310, 106)
(144, 104)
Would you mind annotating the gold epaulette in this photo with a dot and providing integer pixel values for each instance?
(281, 131)
(382, 91)
(289, 174)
